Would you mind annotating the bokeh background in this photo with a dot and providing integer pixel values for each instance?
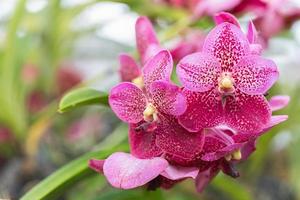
(50, 47)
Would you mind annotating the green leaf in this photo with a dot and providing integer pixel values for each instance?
(82, 97)
(58, 182)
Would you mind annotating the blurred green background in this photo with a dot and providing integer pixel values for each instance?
(50, 47)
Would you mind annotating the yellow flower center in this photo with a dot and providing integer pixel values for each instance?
(138, 81)
(226, 82)
(150, 113)
(236, 155)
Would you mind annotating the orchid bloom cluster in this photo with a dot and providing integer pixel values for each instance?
(207, 125)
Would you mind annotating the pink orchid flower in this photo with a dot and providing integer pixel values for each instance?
(224, 84)
(135, 103)
(147, 46)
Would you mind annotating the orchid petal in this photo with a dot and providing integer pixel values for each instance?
(176, 172)
(222, 17)
(96, 165)
(228, 44)
(204, 110)
(198, 72)
(167, 98)
(205, 177)
(255, 75)
(128, 102)
(142, 143)
(159, 67)
(175, 140)
(129, 69)
(279, 102)
(252, 33)
(145, 36)
(124, 171)
(247, 113)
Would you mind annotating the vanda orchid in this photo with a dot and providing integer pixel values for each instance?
(206, 126)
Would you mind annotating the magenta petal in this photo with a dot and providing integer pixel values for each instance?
(175, 140)
(204, 110)
(129, 69)
(96, 165)
(228, 44)
(226, 17)
(256, 49)
(275, 120)
(142, 143)
(124, 171)
(279, 102)
(198, 72)
(251, 33)
(168, 98)
(247, 113)
(128, 102)
(248, 149)
(145, 37)
(255, 75)
(157, 68)
(176, 172)
(205, 177)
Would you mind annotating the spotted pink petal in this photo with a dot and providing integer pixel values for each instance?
(222, 17)
(96, 165)
(129, 69)
(176, 172)
(228, 44)
(145, 36)
(125, 171)
(279, 102)
(255, 75)
(256, 49)
(247, 113)
(204, 110)
(198, 72)
(157, 68)
(252, 33)
(128, 102)
(248, 149)
(168, 98)
(142, 143)
(175, 140)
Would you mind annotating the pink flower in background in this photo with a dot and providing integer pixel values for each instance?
(225, 83)
(191, 43)
(154, 95)
(147, 46)
(67, 77)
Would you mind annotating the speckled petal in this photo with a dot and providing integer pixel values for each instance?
(175, 140)
(129, 69)
(279, 102)
(204, 110)
(125, 171)
(247, 113)
(159, 67)
(255, 75)
(168, 98)
(128, 102)
(198, 72)
(222, 17)
(176, 172)
(145, 37)
(228, 44)
(142, 143)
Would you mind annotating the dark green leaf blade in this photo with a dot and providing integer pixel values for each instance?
(82, 97)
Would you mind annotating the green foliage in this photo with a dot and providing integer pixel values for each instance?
(82, 97)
